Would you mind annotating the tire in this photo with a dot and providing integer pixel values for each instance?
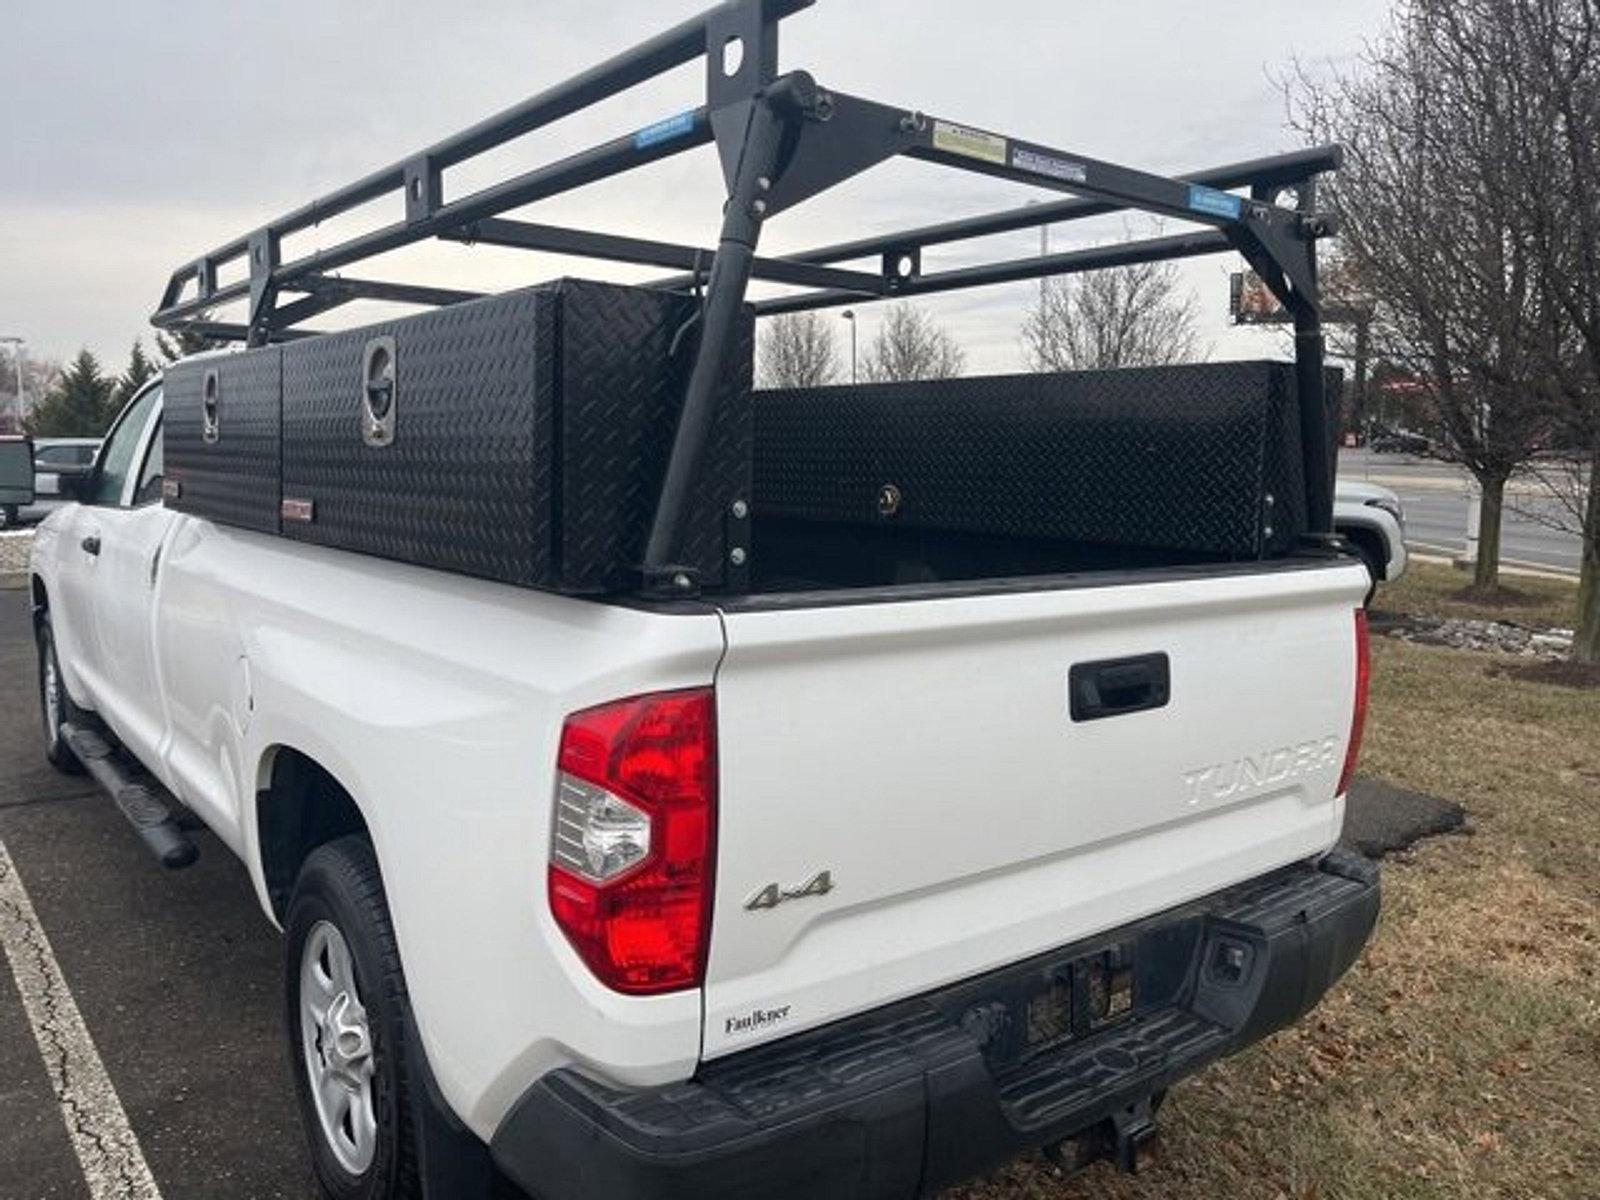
(8, 517)
(55, 705)
(348, 1031)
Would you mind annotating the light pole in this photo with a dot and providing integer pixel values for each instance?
(1044, 252)
(12, 340)
(849, 314)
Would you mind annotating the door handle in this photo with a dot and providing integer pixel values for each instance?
(1113, 687)
(91, 544)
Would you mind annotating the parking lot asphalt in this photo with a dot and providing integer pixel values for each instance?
(177, 979)
(176, 975)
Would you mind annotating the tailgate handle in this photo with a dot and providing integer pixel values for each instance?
(1115, 686)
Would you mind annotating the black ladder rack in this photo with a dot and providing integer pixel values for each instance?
(781, 140)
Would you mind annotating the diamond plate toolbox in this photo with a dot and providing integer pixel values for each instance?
(1200, 458)
(520, 438)
(220, 438)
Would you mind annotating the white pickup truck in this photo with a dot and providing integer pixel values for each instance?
(905, 817)
(814, 886)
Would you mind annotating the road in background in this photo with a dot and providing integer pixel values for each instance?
(1435, 496)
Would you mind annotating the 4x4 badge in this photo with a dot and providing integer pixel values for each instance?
(773, 895)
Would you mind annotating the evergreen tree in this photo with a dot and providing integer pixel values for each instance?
(81, 402)
(139, 371)
(181, 343)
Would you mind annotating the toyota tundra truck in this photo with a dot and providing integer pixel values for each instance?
(796, 793)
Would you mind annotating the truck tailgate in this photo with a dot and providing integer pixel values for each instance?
(907, 800)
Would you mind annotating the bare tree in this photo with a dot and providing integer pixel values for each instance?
(797, 351)
(1566, 500)
(910, 344)
(1133, 316)
(1547, 56)
(1570, 495)
(1433, 224)
(39, 376)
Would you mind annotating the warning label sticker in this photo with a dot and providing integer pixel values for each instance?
(1044, 164)
(970, 143)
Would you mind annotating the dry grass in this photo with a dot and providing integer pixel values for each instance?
(1461, 1057)
(1435, 590)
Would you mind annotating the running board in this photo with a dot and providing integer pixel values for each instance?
(152, 819)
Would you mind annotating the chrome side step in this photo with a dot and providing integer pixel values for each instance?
(146, 810)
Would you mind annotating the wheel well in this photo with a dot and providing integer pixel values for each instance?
(302, 808)
(1372, 548)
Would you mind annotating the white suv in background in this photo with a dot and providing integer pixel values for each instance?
(1371, 519)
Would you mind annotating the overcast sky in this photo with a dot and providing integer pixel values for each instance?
(138, 135)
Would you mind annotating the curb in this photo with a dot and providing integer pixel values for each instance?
(1443, 556)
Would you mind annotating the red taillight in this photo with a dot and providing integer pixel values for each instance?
(640, 772)
(1358, 716)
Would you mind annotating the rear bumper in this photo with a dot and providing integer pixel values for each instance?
(918, 1095)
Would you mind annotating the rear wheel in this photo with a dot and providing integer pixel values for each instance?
(55, 706)
(347, 1026)
(8, 516)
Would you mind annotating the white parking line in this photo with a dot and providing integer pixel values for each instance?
(108, 1152)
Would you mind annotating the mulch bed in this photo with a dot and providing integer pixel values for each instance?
(1381, 818)
(1561, 672)
(1499, 596)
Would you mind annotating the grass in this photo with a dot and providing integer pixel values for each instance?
(1436, 590)
(1461, 1056)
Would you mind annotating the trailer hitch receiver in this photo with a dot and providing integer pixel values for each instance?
(1119, 1138)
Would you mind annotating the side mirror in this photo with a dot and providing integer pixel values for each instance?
(76, 481)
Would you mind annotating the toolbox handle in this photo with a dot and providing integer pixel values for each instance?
(211, 405)
(379, 370)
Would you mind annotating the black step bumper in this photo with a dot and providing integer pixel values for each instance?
(919, 1095)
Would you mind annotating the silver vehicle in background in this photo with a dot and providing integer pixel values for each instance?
(1370, 517)
(53, 458)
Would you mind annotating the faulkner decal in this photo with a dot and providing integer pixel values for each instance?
(1258, 772)
(758, 1019)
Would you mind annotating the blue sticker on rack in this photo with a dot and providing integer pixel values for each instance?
(1213, 202)
(664, 131)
